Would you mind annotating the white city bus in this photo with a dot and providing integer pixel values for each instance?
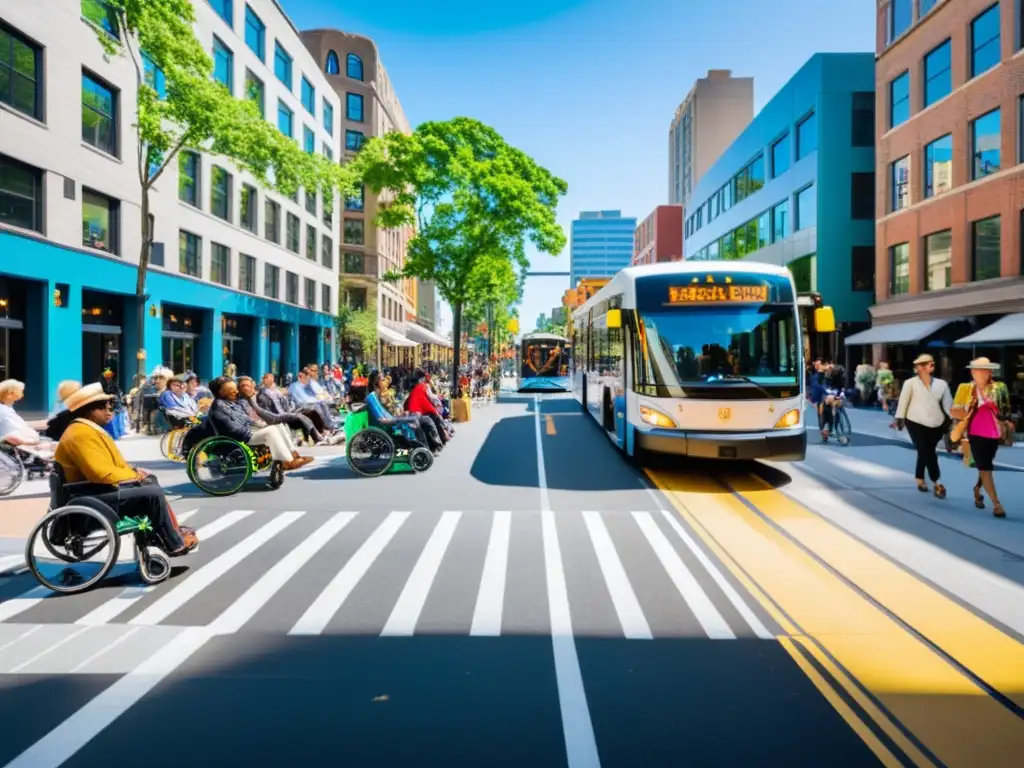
(701, 359)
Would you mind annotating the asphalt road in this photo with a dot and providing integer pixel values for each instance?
(535, 599)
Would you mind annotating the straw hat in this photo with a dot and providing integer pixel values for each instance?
(66, 388)
(982, 364)
(924, 359)
(90, 393)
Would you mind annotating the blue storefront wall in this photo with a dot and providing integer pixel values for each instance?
(54, 333)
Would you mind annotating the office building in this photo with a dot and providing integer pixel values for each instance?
(659, 237)
(600, 244)
(796, 188)
(711, 116)
(238, 274)
(370, 107)
(948, 258)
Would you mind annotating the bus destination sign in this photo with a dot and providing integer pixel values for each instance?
(718, 294)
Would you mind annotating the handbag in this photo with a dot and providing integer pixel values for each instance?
(1007, 433)
(960, 428)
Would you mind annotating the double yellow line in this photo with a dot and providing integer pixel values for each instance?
(920, 678)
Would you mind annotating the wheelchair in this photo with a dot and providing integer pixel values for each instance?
(374, 449)
(222, 466)
(77, 543)
(17, 464)
(172, 442)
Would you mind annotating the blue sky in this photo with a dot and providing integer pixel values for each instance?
(587, 87)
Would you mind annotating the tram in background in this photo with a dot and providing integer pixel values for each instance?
(544, 363)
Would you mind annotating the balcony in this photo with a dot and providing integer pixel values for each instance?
(359, 265)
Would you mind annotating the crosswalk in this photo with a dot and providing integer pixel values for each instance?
(628, 574)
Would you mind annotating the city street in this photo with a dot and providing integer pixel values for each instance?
(535, 599)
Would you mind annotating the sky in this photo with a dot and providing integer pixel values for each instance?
(586, 87)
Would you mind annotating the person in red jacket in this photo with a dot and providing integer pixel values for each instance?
(419, 402)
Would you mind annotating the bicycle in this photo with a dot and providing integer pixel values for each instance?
(841, 427)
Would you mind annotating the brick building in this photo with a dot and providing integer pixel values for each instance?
(659, 237)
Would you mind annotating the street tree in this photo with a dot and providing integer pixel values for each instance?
(475, 203)
(360, 324)
(180, 107)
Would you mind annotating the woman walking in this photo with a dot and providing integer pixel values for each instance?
(924, 405)
(984, 405)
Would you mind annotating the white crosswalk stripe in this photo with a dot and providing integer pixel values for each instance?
(246, 547)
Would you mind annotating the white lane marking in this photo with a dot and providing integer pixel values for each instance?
(105, 649)
(28, 631)
(631, 615)
(714, 624)
(129, 596)
(205, 576)
(317, 616)
(11, 562)
(60, 745)
(23, 602)
(490, 600)
(47, 650)
(243, 609)
(407, 610)
(577, 727)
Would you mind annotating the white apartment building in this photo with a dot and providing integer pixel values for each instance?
(238, 273)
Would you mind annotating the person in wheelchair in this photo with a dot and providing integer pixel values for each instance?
(269, 404)
(178, 405)
(88, 455)
(421, 403)
(415, 425)
(17, 437)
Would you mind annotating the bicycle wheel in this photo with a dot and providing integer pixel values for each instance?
(843, 428)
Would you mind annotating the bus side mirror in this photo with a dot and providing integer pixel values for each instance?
(824, 320)
(614, 318)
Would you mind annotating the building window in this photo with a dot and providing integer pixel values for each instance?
(986, 236)
(154, 76)
(353, 263)
(247, 210)
(255, 34)
(327, 252)
(99, 115)
(223, 64)
(100, 226)
(764, 229)
(899, 269)
(246, 273)
(220, 193)
(225, 9)
(311, 202)
(188, 178)
(328, 117)
(985, 145)
(780, 221)
(806, 136)
(291, 288)
(283, 65)
(899, 184)
(21, 84)
(284, 119)
(311, 242)
(328, 217)
(806, 208)
(356, 298)
(310, 286)
(900, 17)
(938, 260)
(985, 41)
(328, 152)
(102, 15)
(354, 231)
(354, 140)
(926, 7)
(271, 281)
(356, 203)
(862, 268)
(332, 67)
(938, 166)
(354, 107)
(292, 233)
(308, 140)
(938, 73)
(272, 221)
(780, 157)
(220, 264)
(863, 128)
(325, 299)
(256, 92)
(354, 67)
(862, 195)
(21, 195)
(190, 254)
(308, 96)
(899, 100)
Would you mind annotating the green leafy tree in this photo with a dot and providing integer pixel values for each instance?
(360, 324)
(181, 107)
(475, 201)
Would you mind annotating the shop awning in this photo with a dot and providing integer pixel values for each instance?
(1005, 330)
(394, 338)
(425, 335)
(900, 333)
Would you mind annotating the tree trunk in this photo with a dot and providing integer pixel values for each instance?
(456, 344)
(140, 287)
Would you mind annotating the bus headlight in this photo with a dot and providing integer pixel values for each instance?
(656, 418)
(789, 419)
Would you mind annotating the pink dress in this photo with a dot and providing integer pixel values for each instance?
(985, 421)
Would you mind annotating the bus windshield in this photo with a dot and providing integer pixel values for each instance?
(545, 358)
(752, 350)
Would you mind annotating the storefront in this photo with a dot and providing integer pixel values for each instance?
(236, 338)
(102, 336)
(1001, 339)
(433, 346)
(182, 331)
(396, 348)
(13, 362)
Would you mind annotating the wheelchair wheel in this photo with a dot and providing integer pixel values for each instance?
(154, 566)
(219, 466)
(11, 473)
(421, 459)
(370, 452)
(276, 475)
(85, 543)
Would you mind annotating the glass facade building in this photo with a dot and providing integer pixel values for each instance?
(601, 244)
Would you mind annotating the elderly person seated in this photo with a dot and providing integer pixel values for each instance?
(305, 398)
(178, 405)
(87, 454)
(14, 430)
(248, 394)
